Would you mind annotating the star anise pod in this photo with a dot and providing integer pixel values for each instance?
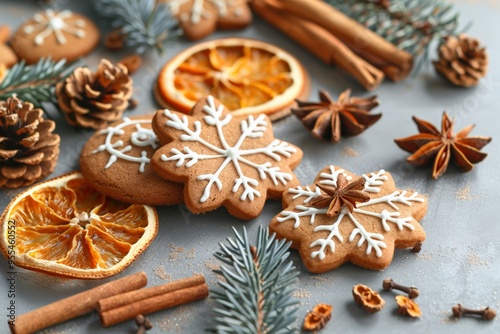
(344, 194)
(329, 119)
(441, 146)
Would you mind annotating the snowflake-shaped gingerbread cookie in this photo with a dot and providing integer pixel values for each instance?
(223, 160)
(367, 236)
(200, 18)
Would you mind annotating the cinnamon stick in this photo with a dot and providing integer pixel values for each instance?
(395, 63)
(153, 304)
(75, 305)
(136, 295)
(322, 44)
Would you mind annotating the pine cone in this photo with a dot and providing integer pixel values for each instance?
(28, 148)
(93, 100)
(461, 60)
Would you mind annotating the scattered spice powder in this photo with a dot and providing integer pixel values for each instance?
(191, 253)
(425, 256)
(349, 152)
(175, 252)
(175, 248)
(161, 273)
(212, 265)
(301, 293)
(173, 320)
(463, 194)
(475, 260)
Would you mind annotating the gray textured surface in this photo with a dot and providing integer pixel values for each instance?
(459, 261)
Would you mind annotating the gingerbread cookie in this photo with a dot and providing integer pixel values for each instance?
(55, 34)
(200, 18)
(224, 160)
(344, 218)
(116, 161)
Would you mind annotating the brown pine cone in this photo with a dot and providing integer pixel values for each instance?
(28, 148)
(93, 100)
(461, 60)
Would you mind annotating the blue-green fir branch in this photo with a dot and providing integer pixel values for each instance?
(33, 83)
(256, 293)
(146, 24)
(412, 25)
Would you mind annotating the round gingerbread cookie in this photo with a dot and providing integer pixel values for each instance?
(199, 19)
(55, 34)
(115, 161)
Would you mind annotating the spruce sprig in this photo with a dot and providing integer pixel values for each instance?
(146, 24)
(33, 83)
(255, 295)
(411, 25)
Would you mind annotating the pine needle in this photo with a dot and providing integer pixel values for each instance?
(411, 25)
(33, 83)
(146, 24)
(255, 295)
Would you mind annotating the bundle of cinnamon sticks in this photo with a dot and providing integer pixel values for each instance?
(116, 301)
(337, 39)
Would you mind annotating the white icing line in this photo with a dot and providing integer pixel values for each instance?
(141, 137)
(50, 22)
(251, 128)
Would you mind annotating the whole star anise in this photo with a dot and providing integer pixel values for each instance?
(441, 146)
(344, 194)
(329, 119)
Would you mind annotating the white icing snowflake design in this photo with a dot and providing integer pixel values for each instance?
(50, 22)
(250, 128)
(141, 137)
(198, 11)
(374, 241)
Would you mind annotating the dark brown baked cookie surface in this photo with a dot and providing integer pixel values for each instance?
(116, 161)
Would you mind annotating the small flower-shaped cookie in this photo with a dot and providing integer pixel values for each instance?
(223, 160)
(365, 234)
(200, 18)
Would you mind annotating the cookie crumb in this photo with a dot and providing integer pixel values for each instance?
(212, 265)
(349, 152)
(474, 260)
(191, 253)
(463, 194)
(424, 256)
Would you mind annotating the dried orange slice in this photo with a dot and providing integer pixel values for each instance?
(3, 71)
(247, 76)
(64, 227)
